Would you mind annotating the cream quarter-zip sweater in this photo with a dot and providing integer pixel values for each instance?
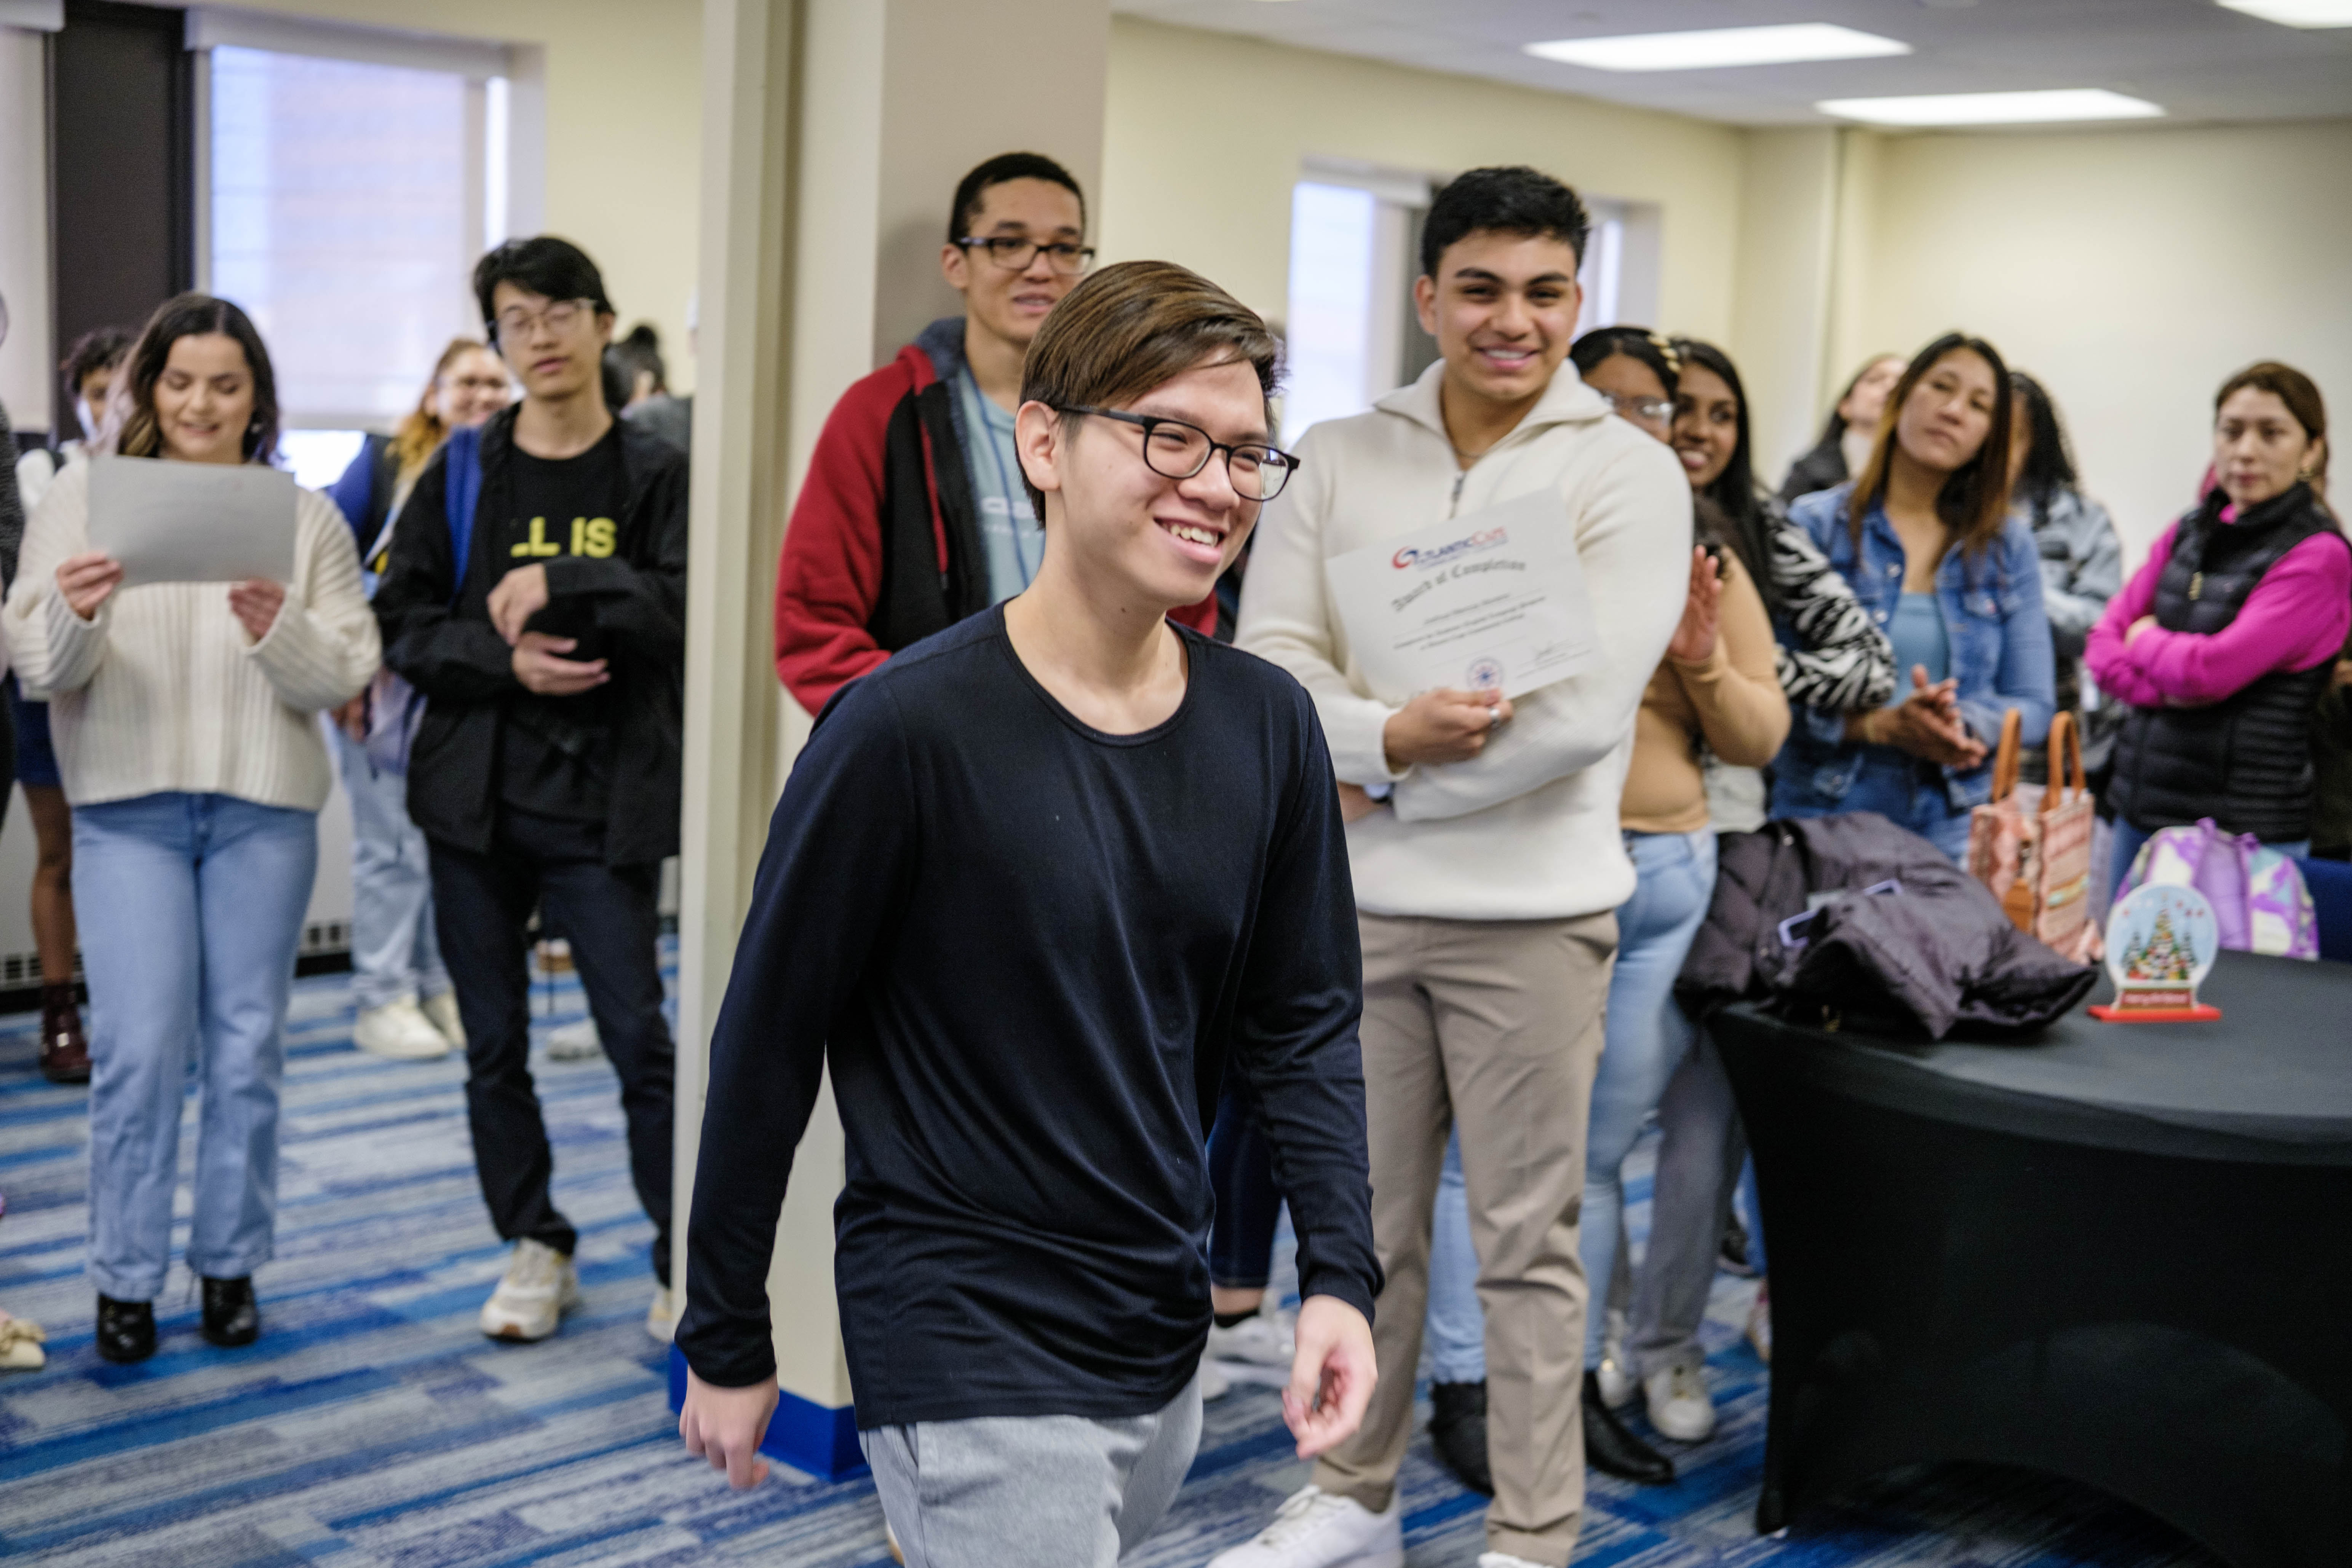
(161, 689)
(1528, 829)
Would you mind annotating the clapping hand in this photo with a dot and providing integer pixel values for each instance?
(1701, 613)
(1927, 724)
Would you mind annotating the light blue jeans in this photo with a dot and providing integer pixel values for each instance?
(395, 954)
(1646, 1034)
(191, 911)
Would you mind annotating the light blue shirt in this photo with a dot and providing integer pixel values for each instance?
(1918, 635)
(1011, 537)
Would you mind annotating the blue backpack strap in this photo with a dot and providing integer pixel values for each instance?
(463, 495)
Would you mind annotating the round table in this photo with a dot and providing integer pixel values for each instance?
(2118, 1253)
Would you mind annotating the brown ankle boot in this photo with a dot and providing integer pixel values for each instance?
(65, 1053)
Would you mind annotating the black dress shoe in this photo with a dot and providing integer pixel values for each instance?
(1611, 1447)
(231, 1318)
(1457, 1430)
(126, 1330)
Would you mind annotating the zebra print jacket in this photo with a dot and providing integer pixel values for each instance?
(1842, 660)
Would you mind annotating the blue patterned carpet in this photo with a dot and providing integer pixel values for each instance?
(374, 1428)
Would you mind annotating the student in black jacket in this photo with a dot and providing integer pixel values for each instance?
(1036, 886)
(545, 770)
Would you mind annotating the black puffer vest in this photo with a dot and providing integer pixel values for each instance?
(2245, 761)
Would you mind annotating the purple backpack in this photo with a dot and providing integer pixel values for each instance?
(2258, 896)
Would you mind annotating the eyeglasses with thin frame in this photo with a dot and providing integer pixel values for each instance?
(1649, 410)
(1175, 450)
(514, 323)
(1015, 254)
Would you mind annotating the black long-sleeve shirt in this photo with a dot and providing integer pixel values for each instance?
(1028, 949)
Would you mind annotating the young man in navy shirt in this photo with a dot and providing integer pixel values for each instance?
(1035, 885)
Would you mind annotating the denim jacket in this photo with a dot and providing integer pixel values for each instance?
(1993, 617)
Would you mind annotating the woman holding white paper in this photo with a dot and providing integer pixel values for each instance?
(183, 718)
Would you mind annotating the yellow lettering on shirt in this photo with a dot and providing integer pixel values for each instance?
(538, 543)
(600, 531)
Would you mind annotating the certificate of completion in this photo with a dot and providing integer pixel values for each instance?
(1493, 601)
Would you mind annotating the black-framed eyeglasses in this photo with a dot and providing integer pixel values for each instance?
(1015, 254)
(1175, 450)
(514, 324)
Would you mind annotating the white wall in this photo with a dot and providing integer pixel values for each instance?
(1205, 133)
(2131, 270)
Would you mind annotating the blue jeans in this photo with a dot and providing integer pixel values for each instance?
(1646, 1034)
(191, 910)
(1249, 1204)
(1909, 793)
(395, 953)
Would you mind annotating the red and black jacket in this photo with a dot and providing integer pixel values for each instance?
(884, 546)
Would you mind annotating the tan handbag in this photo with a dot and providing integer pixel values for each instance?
(2032, 845)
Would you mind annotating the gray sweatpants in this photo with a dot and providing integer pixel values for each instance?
(1031, 1491)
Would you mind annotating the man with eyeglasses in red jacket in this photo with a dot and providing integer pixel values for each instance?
(913, 515)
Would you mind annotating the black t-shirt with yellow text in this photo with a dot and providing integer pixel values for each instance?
(554, 751)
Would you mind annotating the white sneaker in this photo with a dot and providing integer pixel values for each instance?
(1504, 1560)
(441, 1011)
(1615, 1372)
(1214, 1384)
(540, 1286)
(1265, 1341)
(574, 1042)
(400, 1031)
(1680, 1407)
(661, 1317)
(1315, 1528)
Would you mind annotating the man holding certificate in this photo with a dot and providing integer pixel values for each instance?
(1475, 581)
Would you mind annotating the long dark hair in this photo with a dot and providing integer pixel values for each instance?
(1746, 517)
(1974, 500)
(2049, 465)
(194, 315)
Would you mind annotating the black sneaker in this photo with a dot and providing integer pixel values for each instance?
(231, 1318)
(126, 1330)
(1611, 1447)
(1457, 1430)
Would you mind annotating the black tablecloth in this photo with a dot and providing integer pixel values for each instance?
(2118, 1252)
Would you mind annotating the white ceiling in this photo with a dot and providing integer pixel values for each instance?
(2200, 62)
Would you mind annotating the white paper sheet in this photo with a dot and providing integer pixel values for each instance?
(193, 522)
(1493, 601)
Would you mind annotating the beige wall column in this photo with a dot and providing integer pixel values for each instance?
(1781, 309)
(834, 133)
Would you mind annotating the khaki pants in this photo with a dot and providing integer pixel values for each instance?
(1497, 1024)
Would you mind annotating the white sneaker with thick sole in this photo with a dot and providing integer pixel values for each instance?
(1264, 1341)
(400, 1031)
(1316, 1529)
(661, 1317)
(574, 1042)
(1214, 1384)
(440, 1010)
(538, 1286)
(1504, 1560)
(1680, 1406)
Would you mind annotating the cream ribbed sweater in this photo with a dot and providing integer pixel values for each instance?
(162, 690)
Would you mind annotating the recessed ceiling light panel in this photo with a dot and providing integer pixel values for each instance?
(1714, 48)
(2041, 108)
(2296, 12)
